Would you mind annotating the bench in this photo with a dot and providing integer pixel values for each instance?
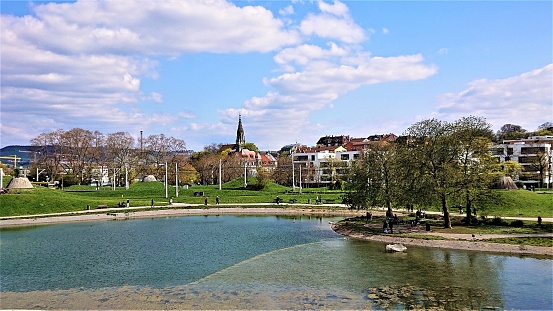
(293, 201)
(199, 194)
(103, 206)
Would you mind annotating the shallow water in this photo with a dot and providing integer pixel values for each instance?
(251, 262)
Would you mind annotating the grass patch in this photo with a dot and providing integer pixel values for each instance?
(547, 242)
(41, 200)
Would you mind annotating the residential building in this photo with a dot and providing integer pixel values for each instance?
(534, 154)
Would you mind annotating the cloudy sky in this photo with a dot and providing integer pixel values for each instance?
(295, 70)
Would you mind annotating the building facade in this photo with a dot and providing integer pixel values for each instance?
(534, 154)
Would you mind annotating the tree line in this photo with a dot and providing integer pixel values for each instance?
(79, 156)
(433, 163)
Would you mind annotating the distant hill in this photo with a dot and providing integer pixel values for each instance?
(19, 151)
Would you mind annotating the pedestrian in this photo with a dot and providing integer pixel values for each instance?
(128, 203)
(539, 221)
(152, 203)
(171, 201)
(217, 200)
(205, 200)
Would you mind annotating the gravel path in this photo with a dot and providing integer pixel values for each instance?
(455, 241)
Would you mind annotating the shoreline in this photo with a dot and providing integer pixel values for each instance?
(457, 244)
(452, 242)
(146, 212)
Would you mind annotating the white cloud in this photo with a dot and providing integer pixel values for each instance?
(289, 10)
(525, 100)
(385, 30)
(297, 94)
(334, 22)
(338, 8)
(73, 64)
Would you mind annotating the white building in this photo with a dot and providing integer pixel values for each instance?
(534, 154)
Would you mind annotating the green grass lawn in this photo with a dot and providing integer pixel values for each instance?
(41, 200)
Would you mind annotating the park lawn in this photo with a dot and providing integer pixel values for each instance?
(41, 200)
(517, 203)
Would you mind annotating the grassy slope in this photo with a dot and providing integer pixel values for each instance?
(518, 203)
(42, 200)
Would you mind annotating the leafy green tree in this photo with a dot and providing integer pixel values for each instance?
(250, 146)
(432, 150)
(510, 131)
(373, 177)
(478, 168)
(359, 193)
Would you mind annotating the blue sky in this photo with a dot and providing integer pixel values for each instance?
(295, 70)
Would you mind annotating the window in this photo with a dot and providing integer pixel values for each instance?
(345, 157)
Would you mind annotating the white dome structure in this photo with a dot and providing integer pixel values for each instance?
(149, 178)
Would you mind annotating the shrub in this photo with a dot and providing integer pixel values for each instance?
(517, 223)
(497, 221)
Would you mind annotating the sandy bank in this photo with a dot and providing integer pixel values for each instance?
(460, 244)
(121, 214)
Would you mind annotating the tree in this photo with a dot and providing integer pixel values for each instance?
(510, 131)
(161, 149)
(188, 174)
(282, 175)
(250, 146)
(120, 153)
(434, 154)
(546, 126)
(373, 176)
(478, 167)
(511, 168)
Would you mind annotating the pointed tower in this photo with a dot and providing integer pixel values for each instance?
(240, 138)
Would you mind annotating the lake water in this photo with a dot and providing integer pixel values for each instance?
(251, 262)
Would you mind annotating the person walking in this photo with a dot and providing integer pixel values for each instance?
(217, 200)
(152, 203)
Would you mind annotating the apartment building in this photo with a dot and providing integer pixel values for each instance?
(534, 154)
(331, 158)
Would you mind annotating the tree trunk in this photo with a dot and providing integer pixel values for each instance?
(445, 209)
(468, 207)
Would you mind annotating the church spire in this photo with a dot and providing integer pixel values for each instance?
(240, 138)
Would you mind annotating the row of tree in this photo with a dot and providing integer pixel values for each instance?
(79, 156)
(83, 155)
(434, 162)
(514, 131)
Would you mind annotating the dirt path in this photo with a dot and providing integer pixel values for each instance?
(455, 241)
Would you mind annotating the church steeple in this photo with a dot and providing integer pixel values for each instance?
(240, 138)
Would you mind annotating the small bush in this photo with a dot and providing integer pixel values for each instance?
(497, 221)
(517, 223)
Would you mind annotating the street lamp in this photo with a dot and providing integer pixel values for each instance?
(166, 194)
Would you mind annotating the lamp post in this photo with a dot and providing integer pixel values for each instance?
(166, 194)
(245, 174)
(220, 180)
(177, 179)
(293, 179)
(300, 178)
(126, 177)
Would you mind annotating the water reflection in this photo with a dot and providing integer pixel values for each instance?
(243, 262)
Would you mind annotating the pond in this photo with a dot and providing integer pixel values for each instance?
(251, 262)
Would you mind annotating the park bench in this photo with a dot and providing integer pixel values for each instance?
(293, 201)
(103, 206)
